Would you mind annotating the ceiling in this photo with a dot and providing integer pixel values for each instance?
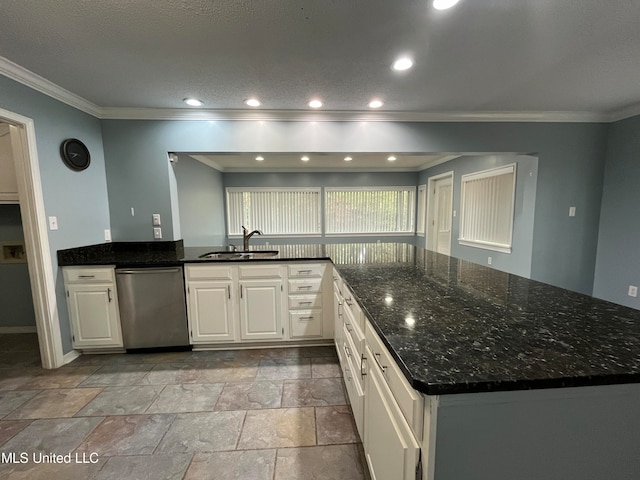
(321, 161)
(478, 58)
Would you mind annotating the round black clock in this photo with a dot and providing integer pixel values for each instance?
(75, 154)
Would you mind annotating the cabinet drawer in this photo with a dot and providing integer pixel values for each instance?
(410, 401)
(305, 301)
(209, 272)
(306, 323)
(89, 274)
(352, 308)
(354, 388)
(311, 285)
(303, 270)
(354, 357)
(260, 271)
(352, 330)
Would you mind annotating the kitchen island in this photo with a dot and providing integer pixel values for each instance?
(521, 380)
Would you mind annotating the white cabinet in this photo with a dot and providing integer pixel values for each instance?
(93, 307)
(8, 181)
(307, 317)
(210, 310)
(261, 309)
(391, 450)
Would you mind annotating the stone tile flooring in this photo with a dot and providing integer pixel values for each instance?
(272, 414)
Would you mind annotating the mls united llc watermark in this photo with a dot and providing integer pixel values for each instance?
(39, 457)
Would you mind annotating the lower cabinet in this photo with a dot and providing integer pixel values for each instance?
(261, 310)
(211, 313)
(391, 450)
(93, 307)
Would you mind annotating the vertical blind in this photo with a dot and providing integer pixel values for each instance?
(283, 211)
(422, 204)
(486, 212)
(369, 210)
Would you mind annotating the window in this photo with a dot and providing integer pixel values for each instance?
(486, 208)
(369, 210)
(274, 211)
(422, 206)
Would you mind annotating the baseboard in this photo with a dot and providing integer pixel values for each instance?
(70, 357)
(18, 329)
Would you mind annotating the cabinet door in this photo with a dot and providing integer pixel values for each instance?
(391, 450)
(94, 316)
(338, 322)
(261, 309)
(210, 312)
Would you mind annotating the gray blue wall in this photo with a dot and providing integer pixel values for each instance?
(519, 260)
(570, 168)
(78, 199)
(200, 203)
(16, 303)
(618, 260)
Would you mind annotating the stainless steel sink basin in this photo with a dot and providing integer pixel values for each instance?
(221, 255)
(226, 254)
(260, 253)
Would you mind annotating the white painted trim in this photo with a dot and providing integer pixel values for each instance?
(32, 80)
(23, 142)
(70, 357)
(430, 241)
(42, 85)
(11, 330)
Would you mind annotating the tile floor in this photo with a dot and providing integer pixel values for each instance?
(272, 414)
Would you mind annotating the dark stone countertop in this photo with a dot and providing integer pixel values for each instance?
(453, 326)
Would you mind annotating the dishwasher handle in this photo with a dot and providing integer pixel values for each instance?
(139, 271)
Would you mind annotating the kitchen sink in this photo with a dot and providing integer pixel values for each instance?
(226, 254)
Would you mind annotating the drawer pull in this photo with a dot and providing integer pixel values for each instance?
(305, 303)
(306, 318)
(348, 300)
(109, 294)
(348, 327)
(347, 350)
(304, 271)
(376, 358)
(363, 370)
(305, 287)
(86, 276)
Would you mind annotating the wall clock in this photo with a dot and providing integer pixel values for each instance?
(75, 154)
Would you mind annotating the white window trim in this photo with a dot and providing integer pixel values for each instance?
(275, 189)
(497, 247)
(410, 232)
(421, 211)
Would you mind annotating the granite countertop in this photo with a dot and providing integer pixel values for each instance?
(453, 326)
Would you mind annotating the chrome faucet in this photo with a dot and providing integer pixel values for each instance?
(246, 236)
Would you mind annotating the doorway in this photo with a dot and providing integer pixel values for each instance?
(440, 212)
(36, 240)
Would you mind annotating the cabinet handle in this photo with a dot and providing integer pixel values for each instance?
(229, 291)
(109, 294)
(304, 271)
(348, 327)
(347, 350)
(363, 359)
(240, 291)
(86, 276)
(306, 318)
(382, 367)
(339, 309)
(348, 301)
(304, 287)
(305, 303)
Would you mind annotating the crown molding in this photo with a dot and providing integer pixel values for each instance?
(42, 85)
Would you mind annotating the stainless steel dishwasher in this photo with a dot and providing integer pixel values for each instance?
(152, 307)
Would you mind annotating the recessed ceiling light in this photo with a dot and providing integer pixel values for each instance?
(347, 159)
(193, 102)
(375, 103)
(259, 158)
(305, 159)
(404, 63)
(391, 158)
(253, 102)
(315, 103)
(444, 4)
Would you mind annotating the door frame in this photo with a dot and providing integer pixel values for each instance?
(431, 241)
(43, 289)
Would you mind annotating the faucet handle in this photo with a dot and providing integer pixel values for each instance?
(244, 230)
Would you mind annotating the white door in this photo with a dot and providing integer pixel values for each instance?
(211, 317)
(261, 309)
(94, 316)
(441, 195)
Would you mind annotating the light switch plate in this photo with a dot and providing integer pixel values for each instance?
(572, 211)
(53, 223)
(107, 235)
(633, 291)
(156, 219)
(157, 233)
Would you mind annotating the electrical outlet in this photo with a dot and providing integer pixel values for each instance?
(156, 219)
(633, 291)
(133, 212)
(107, 235)
(572, 211)
(53, 223)
(489, 260)
(157, 233)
